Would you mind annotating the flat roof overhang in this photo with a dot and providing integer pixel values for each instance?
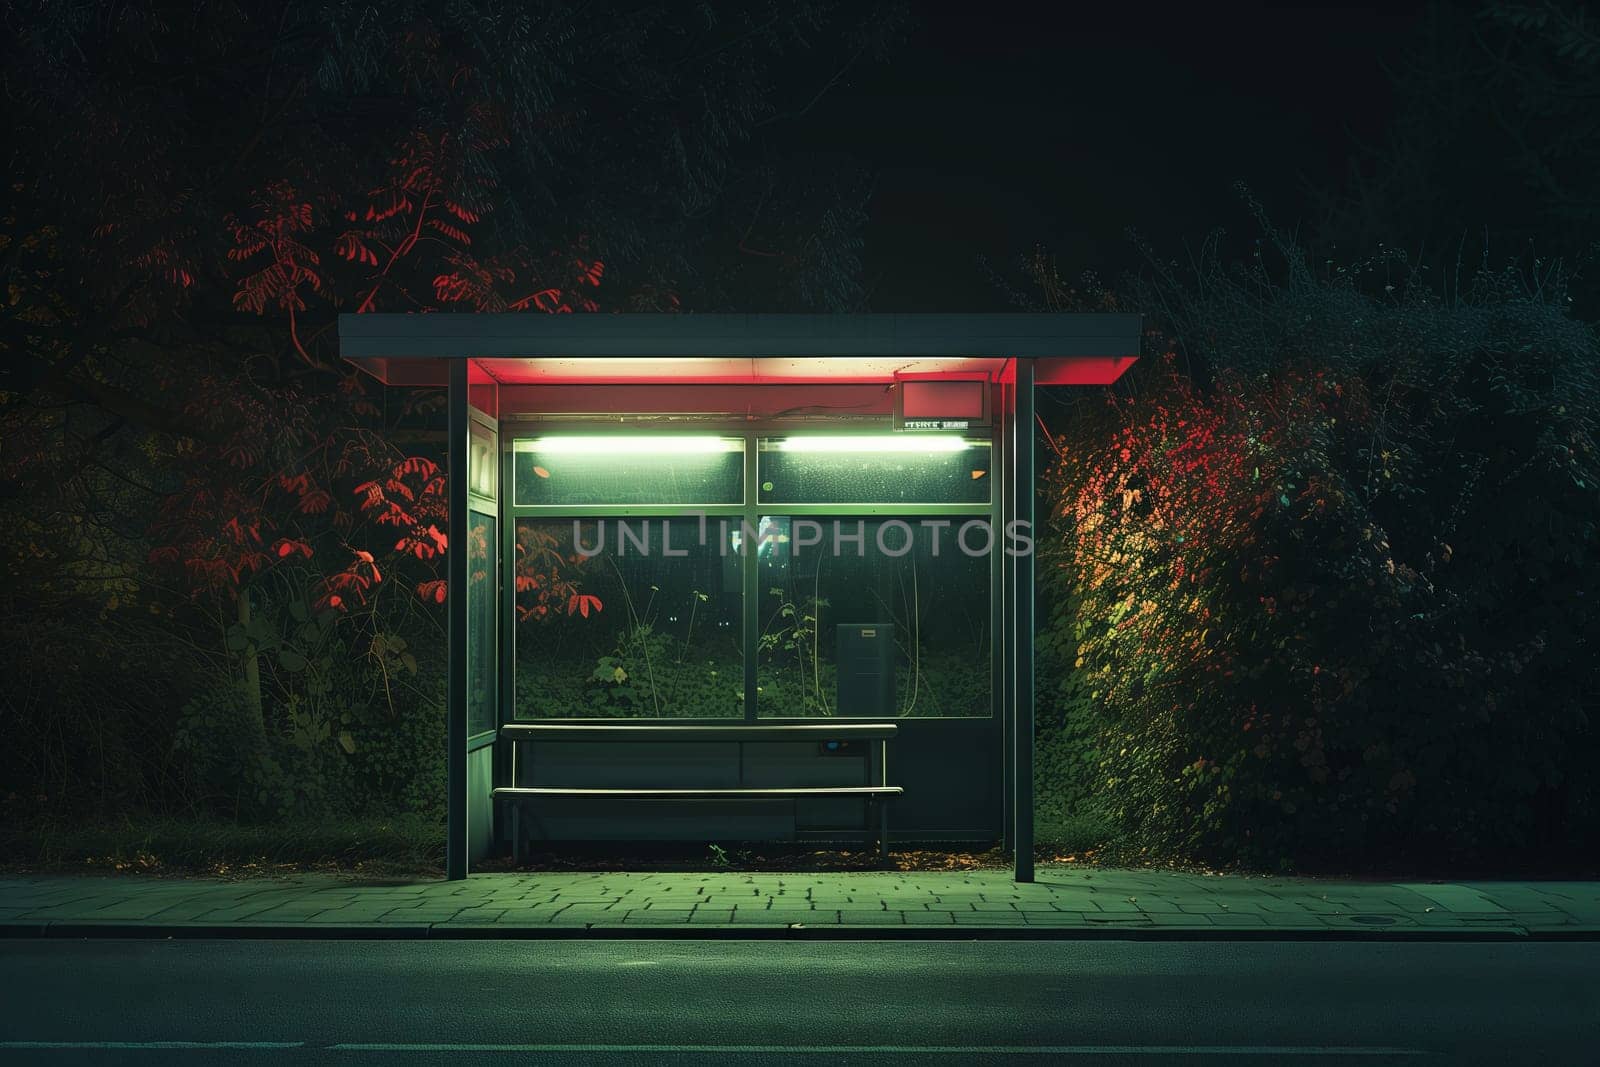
(535, 349)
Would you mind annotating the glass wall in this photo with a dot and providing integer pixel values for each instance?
(628, 618)
(481, 628)
(875, 469)
(880, 618)
(628, 469)
(854, 569)
(483, 575)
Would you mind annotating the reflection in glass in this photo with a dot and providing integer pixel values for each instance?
(873, 618)
(482, 467)
(628, 469)
(635, 618)
(480, 622)
(896, 468)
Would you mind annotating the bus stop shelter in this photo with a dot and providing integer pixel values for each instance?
(705, 569)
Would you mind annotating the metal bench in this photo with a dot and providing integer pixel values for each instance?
(875, 790)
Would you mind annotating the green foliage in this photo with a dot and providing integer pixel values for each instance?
(793, 690)
(408, 844)
(649, 674)
(183, 443)
(1066, 744)
(378, 764)
(1072, 830)
(238, 769)
(1327, 584)
(396, 761)
(797, 676)
(947, 684)
(652, 675)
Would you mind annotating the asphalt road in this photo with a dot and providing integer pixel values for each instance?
(842, 1002)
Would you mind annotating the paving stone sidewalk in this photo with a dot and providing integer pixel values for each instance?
(1064, 901)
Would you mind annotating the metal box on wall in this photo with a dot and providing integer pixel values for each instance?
(866, 669)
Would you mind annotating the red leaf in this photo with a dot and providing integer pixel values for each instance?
(454, 232)
(582, 603)
(541, 472)
(419, 465)
(350, 246)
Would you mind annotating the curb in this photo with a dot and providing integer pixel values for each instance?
(750, 932)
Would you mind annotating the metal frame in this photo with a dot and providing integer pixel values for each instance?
(456, 458)
(1024, 591)
(491, 507)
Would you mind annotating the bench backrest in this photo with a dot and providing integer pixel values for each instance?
(656, 756)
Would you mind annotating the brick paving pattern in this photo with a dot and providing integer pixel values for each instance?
(1063, 899)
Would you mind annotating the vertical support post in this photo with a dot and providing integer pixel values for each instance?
(883, 829)
(750, 576)
(506, 761)
(1023, 494)
(1002, 575)
(455, 846)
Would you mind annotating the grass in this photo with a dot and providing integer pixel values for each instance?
(1075, 830)
(166, 845)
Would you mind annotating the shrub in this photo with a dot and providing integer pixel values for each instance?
(383, 765)
(1324, 578)
(396, 762)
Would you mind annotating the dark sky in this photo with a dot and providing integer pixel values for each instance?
(993, 130)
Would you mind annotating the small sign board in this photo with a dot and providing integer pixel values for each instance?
(935, 404)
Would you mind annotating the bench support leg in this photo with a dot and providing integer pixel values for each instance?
(516, 833)
(883, 830)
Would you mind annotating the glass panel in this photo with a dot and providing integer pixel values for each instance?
(634, 618)
(626, 469)
(875, 618)
(481, 627)
(482, 465)
(900, 468)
